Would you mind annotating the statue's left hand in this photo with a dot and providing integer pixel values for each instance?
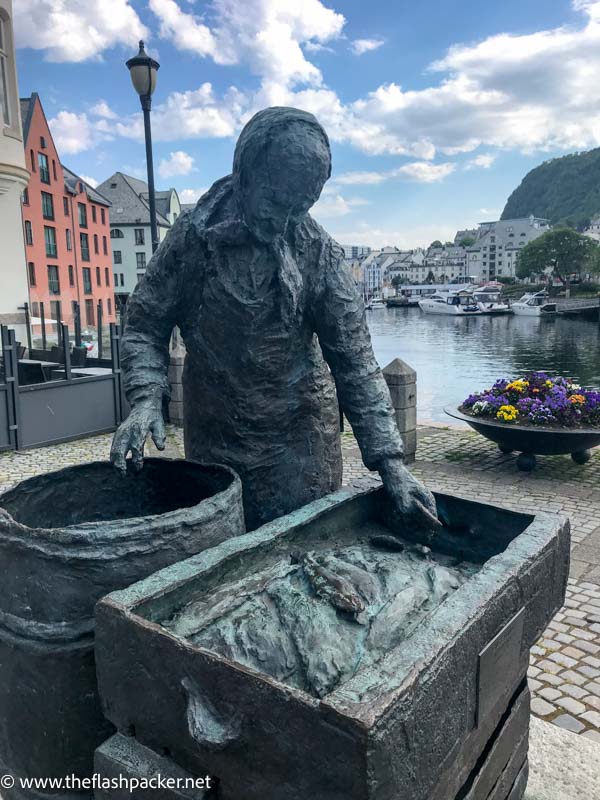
(412, 501)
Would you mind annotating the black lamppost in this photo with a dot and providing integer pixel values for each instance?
(143, 71)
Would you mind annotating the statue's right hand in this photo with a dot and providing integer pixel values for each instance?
(131, 435)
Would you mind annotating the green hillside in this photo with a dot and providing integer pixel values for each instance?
(564, 190)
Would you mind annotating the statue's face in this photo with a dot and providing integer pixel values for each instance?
(287, 180)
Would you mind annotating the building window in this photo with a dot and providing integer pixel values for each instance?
(93, 213)
(53, 282)
(104, 246)
(43, 165)
(82, 210)
(25, 197)
(116, 278)
(66, 206)
(98, 278)
(71, 276)
(96, 251)
(4, 95)
(139, 235)
(85, 246)
(122, 276)
(35, 309)
(55, 310)
(50, 240)
(116, 233)
(69, 239)
(140, 260)
(47, 206)
(42, 143)
(109, 307)
(87, 280)
(102, 216)
(54, 170)
(107, 276)
(31, 273)
(89, 312)
(117, 257)
(28, 232)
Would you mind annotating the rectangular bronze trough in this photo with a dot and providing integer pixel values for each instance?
(343, 706)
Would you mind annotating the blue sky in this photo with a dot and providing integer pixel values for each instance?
(436, 110)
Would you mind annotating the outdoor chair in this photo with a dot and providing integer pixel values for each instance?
(57, 354)
(79, 356)
(31, 373)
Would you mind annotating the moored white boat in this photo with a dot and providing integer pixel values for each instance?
(489, 300)
(450, 303)
(375, 303)
(534, 305)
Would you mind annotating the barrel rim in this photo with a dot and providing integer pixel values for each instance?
(121, 530)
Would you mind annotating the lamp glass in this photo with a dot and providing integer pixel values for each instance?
(143, 79)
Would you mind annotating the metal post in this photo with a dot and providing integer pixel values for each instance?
(99, 315)
(77, 323)
(11, 376)
(58, 323)
(66, 345)
(43, 324)
(146, 106)
(115, 355)
(25, 308)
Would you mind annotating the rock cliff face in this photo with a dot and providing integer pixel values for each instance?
(565, 190)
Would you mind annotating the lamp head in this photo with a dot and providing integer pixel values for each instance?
(143, 71)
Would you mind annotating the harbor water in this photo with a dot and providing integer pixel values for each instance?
(455, 356)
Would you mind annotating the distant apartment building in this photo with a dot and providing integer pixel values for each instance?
(352, 251)
(439, 264)
(373, 269)
(13, 180)
(496, 250)
(130, 237)
(593, 229)
(66, 227)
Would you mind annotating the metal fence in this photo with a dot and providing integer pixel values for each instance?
(45, 398)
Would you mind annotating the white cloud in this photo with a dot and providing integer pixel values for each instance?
(91, 181)
(332, 204)
(191, 195)
(71, 30)
(73, 133)
(265, 35)
(102, 109)
(178, 163)
(360, 178)
(410, 237)
(360, 46)
(484, 160)
(424, 171)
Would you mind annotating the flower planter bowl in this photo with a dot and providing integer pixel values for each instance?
(530, 440)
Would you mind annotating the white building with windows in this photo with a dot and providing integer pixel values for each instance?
(353, 251)
(130, 237)
(496, 251)
(13, 180)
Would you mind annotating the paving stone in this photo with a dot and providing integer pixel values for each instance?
(542, 708)
(548, 644)
(593, 688)
(533, 671)
(591, 661)
(571, 705)
(550, 666)
(589, 647)
(548, 677)
(565, 638)
(592, 700)
(573, 691)
(569, 723)
(593, 735)
(574, 677)
(547, 692)
(575, 653)
(589, 672)
(593, 717)
(565, 661)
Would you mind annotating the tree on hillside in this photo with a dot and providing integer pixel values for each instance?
(466, 241)
(561, 251)
(396, 282)
(430, 277)
(436, 243)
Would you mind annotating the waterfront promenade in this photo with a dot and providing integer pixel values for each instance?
(565, 663)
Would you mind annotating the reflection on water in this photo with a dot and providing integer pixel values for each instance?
(454, 356)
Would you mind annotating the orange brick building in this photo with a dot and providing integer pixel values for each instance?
(66, 229)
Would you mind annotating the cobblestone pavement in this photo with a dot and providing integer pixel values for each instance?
(565, 663)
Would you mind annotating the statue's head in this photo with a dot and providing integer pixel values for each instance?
(282, 160)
